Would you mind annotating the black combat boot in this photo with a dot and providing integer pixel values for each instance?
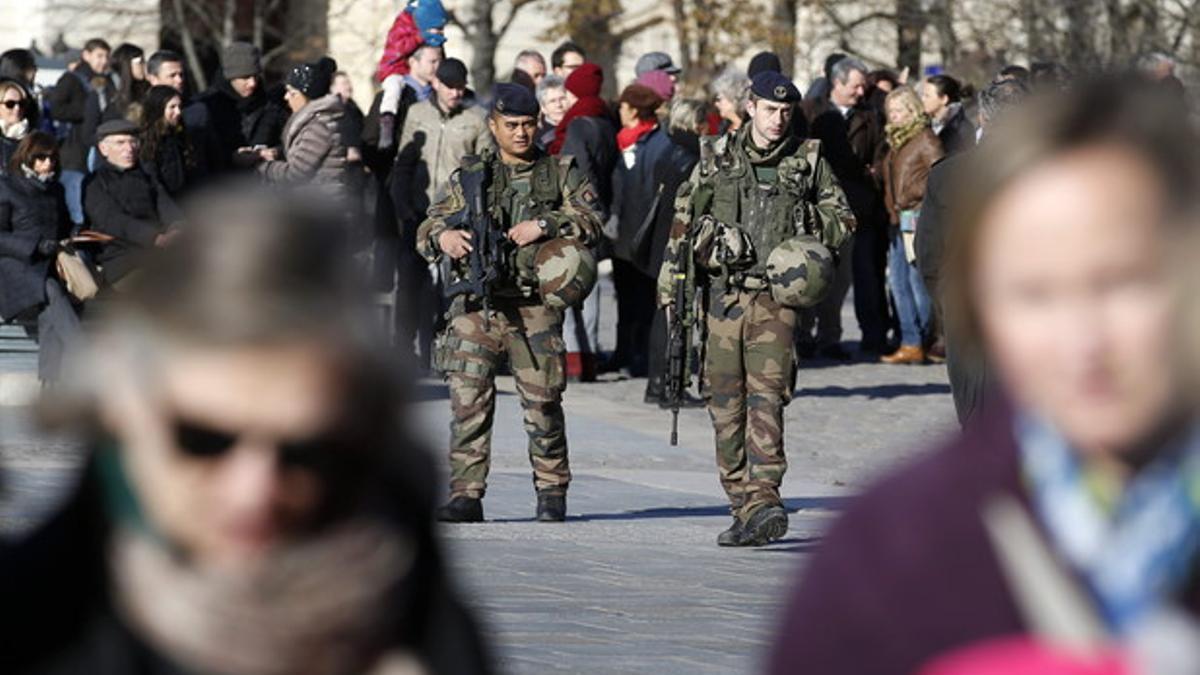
(764, 526)
(461, 510)
(551, 508)
(732, 536)
(654, 391)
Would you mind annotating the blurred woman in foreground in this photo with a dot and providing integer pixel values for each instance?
(1061, 532)
(253, 505)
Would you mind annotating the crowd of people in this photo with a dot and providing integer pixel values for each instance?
(1022, 232)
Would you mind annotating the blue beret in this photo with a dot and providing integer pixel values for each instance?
(770, 85)
(514, 100)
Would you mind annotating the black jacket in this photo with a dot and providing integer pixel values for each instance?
(225, 121)
(30, 211)
(855, 149)
(592, 141)
(131, 206)
(75, 101)
(179, 163)
(675, 170)
(958, 134)
(637, 198)
(8, 147)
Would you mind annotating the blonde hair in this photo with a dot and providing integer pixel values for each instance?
(905, 96)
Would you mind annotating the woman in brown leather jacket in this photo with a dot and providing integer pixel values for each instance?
(913, 150)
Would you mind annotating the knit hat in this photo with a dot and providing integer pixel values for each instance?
(660, 82)
(762, 62)
(642, 99)
(429, 15)
(310, 79)
(240, 59)
(585, 81)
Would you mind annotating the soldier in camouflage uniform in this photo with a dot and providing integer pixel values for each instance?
(534, 198)
(751, 192)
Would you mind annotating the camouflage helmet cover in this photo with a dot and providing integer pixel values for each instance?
(800, 271)
(566, 272)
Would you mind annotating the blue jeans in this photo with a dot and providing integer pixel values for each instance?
(72, 182)
(913, 304)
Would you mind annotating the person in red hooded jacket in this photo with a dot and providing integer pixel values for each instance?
(422, 22)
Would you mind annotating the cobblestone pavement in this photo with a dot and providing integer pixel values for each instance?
(633, 582)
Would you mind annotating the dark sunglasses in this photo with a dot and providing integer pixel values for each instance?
(12, 104)
(200, 442)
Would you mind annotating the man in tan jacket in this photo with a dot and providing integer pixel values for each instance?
(437, 134)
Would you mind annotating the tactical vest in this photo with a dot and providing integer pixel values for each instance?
(511, 203)
(770, 205)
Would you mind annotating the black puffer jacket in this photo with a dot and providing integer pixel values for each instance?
(30, 211)
(179, 163)
(131, 206)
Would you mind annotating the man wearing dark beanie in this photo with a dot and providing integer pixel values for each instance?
(235, 117)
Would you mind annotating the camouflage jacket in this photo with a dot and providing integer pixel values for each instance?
(765, 198)
(549, 188)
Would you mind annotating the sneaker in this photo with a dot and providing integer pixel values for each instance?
(551, 508)
(766, 525)
(461, 510)
(732, 536)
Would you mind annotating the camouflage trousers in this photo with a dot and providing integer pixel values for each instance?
(749, 375)
(470, 353)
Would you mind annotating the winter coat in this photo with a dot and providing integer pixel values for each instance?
(431, 148)
(905, 172)
(76, 101)
(855, 148)
(637, 196)
(179, 163)
(131, 206)
(8, 147)
(225, 121)
(957, 134)
(909, 568)
(592, 141)
(30, 212)
(313, 151)
(671, 173)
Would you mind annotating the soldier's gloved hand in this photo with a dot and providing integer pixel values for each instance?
(47, 247)
(455, 243)
(525, 232)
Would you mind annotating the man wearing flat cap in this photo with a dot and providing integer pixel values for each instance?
(759, 215)
(121, 200)
(438, 133)
(236, 117)
(523, 220)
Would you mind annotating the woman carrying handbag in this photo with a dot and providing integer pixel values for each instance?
(33, 222)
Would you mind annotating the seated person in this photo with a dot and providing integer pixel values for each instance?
(122, 200)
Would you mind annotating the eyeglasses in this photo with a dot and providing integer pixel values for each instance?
(12, 104)
(201, 442)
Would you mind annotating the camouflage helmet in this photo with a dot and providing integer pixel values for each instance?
(566, 272)
(800, 271)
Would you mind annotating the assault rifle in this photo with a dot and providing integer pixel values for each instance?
(681, 315)
(486, 261)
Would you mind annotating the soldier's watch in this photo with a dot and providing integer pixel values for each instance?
(544, 226)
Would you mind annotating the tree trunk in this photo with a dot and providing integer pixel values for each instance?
(783, 38)
(943, 21)
(189, 46)
(1031, 22)
(910, 23)
(1080, 52)
(682, 33)
(591, 26)
(482, 36)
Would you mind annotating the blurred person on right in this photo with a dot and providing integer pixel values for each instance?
(252, 502)
(1061, 527)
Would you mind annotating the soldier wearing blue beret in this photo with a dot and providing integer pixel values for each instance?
(770, 85)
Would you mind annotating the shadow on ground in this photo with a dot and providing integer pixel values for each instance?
(722, 511)
(879, 391)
